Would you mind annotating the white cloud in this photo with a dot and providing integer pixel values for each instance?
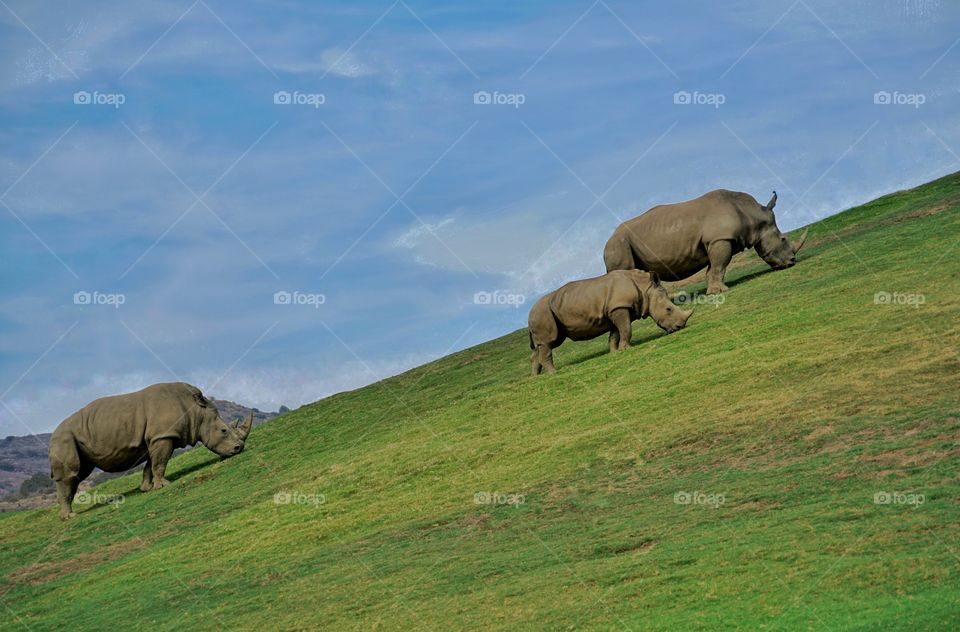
(345, 64)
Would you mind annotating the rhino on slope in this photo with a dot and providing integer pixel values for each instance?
(118, 432)
(585, 309)
(678, 240)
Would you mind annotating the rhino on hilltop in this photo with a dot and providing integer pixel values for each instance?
(585, 309)
(678, 240)
(119, 432)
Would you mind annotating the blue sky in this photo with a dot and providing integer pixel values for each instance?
(386, 189)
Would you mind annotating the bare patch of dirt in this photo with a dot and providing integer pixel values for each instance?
(909, 457)
(43, 572)
(926, 211)
(557, 494)
(477, 522)
(631, 548)
(822, 431)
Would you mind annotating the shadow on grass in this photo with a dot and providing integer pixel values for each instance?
(193, 468)
(171, 476)
(634, 342)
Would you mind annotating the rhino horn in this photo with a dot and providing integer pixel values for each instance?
(772, 202)
(799, 244)
(244, 430)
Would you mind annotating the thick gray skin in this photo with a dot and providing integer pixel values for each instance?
(118, 432)
(585, 309)
(678, 240)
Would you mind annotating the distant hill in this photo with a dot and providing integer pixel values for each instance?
(21, 457)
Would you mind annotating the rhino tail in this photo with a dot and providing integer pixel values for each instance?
(530, 335)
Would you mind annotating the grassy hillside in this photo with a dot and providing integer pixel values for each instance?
(780, 413)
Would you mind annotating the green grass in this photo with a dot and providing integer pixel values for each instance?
(796, 400)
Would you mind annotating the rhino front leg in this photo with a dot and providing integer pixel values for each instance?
(147, 483)
(720, 253)
(621, 321)
(614, 340)
(160, 451)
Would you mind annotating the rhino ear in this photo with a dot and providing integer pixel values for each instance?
(772, 202)
(200, 400)
(654, 278)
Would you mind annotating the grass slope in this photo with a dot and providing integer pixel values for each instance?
(796, 400)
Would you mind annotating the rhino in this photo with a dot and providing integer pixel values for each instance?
(119, 432)
(585, 309)
(678, 240)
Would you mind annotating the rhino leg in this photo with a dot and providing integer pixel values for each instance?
(720, 253)
(546, 358)
(618, 255)
(621, 322)
(160, 451)
(535, 365)
(66, 490)
(65, 469)
(147, 483)
(545, 335)
(614, 339)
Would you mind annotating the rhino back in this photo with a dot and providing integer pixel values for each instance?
(671, 239)
(114, 432)
(582, 307)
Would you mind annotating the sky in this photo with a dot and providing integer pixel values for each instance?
(277, 203)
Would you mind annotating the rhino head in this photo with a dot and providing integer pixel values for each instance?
(225, 439)
(772, 245)
(657, 305)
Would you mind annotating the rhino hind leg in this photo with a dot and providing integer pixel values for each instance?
(621, 322)
(147, 483)
(66, 469)
(545, 358)
(719, 253)
(66, 490)
(618, 255)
